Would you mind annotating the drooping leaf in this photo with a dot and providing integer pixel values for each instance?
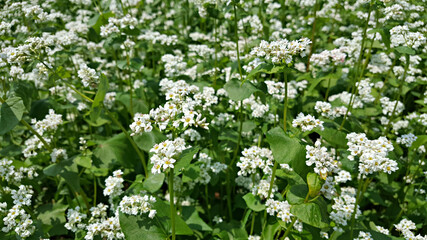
(253, 202)
(154, 182)
(11, 112)
(238, 91)
(310, 213)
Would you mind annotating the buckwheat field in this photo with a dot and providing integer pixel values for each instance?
(213, 119)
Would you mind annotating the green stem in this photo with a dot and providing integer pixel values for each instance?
(130, 84)
(237, 43)
(94, 191)
(132, 142)
(23, 122)
(313, 33)
(285, 108)
(359, 194)
(288, 230)
(171, 201)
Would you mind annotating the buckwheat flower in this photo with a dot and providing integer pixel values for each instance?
(364, 236)
(114, 184)
(18, 221)
(307, 123)
(255, 158)
(254, 237)
(343, 207)
(217, 219)
(281, 51)
(280, 209)
(406, 139)
(98, 212)
(109, 99)
(323, 160)
(137, 205)
(343, 176)
(141, 123)
(49, 123)
(328, 188)
(22, 196)
(262, 187)
(88, 76)
(58, 154)
(75, 220)
(165, 154)
(324, 235)
(383, 230)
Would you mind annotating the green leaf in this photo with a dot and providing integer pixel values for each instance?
(253, 202)
(334, 137)
(185, 159)
(143, 227)
(99, 99)
(288, 150)
(297, 194)
(154, 182)
(310, 214)
(421, 140)
(84, 161)
(314, 184)
(405, 50)
(194, 221)
(238, 91)
(147, 140)
(11, 112)
(117, 150)
(268, 68)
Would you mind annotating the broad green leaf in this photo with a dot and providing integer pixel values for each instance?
(238, 91)
(117, 150)
(314, 184)
(185, 159)
(405, 50)
(297, 194)
(334, 137)
(194, 221)
(11, 112)
(84, 161)
(268, 68)
(288, 150)
(99, 98)
(310, 214)
(147, 140)
(253, 202)
(154, 182)
(421, 140)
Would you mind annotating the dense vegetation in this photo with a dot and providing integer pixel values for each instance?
(204, 119)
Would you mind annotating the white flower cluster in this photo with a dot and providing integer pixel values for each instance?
(345, 97)
(75, 219)
(343, 206)
(44, 127)
(156, 37)
(23, 195)
(137, 204)
(326, 110)
(364, 88)
(407, 139)
(307, 123)
(401, 36)
(179, 108)
(254, 158)
(18, 221)
(388, 106)
(324, 59)
(380, 63)
(324, 161)
(165, 154)
(280, 209)
(141, 123)
(277, 89)
(192, 135)
(254, 103)
(262, 187)
(372, 153)
(405, 226)
(109, 99)
(282, 51)
(88, 76)
(11, 174)
(115, 24)
(206, 167)
(328, 188)
(57, 154)
(174, 65)
(364, 236)
(114, 184)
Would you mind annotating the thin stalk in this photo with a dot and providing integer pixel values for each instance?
(362, 45)
(359, 194)
(23, 122)
(94, 191)
(399, 94)
(313, 33)
(252, 223)
(327, 90)
(171, 201)
(285, 109)
(132, 142)
(130, 84)
(237, 43)
(386, 80)
(288, 230)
